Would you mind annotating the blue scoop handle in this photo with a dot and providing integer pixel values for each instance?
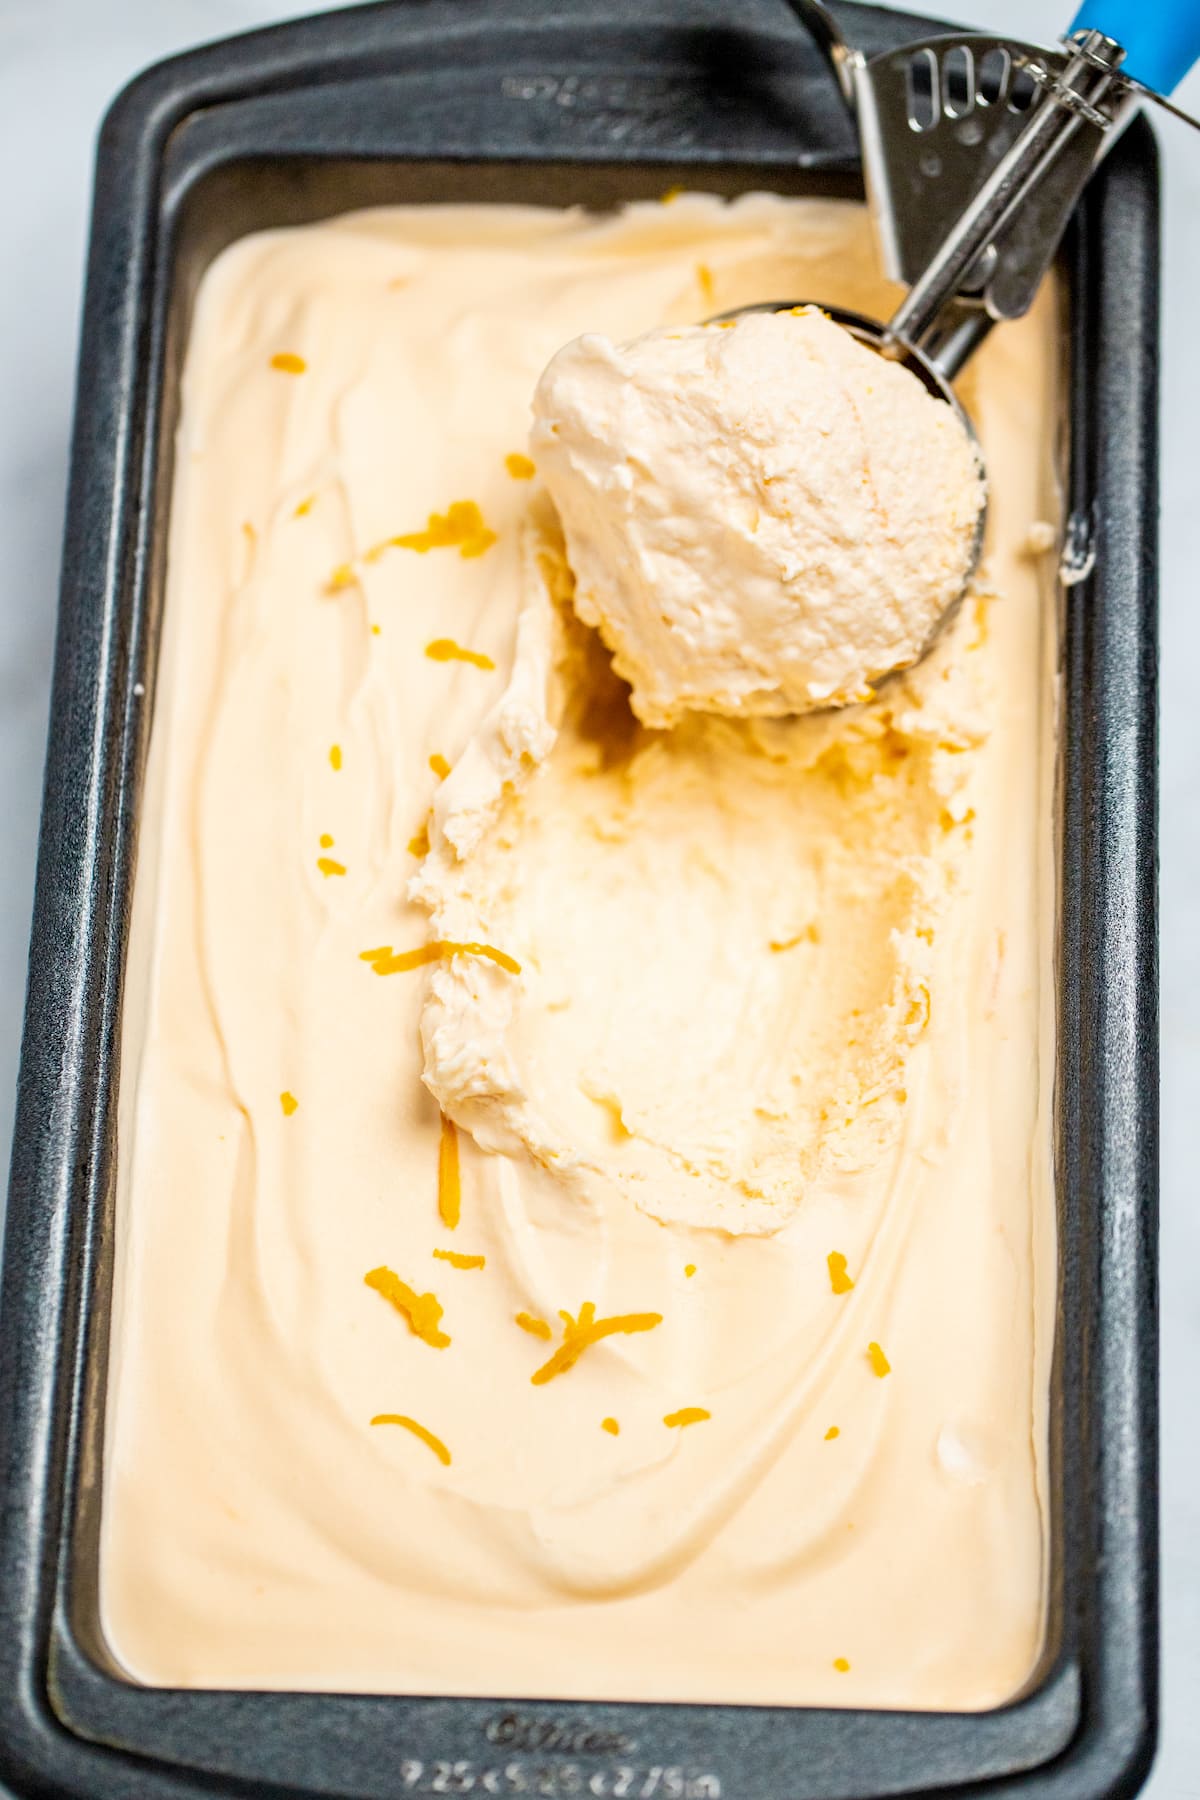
(1161, 38)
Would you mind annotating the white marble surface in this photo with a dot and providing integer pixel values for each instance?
(60, 62)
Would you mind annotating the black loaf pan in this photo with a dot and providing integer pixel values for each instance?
(595, 101)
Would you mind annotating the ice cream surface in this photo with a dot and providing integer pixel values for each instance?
(763, 515)
(584, 1219)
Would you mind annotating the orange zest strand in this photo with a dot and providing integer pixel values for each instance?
(671, 194)
(418, 844)
(839, 1280)
(687, 1415)
(439, 765)
(326, 841)
(919, 1010)
(435, 1443)
(832, 1433)
(611, 1426)
(879, 1363)
(457, 1260)
(449, 1176)
(810, 935)
(461, 527)
(689, 1270)
(328, 865)
(288, 363)
(579, 1334)
(305, 506)
(537, 1328)
(704, 280)
(289, 1103)
(421, 1310)
(386, 961)
(521, 468)
(335, 756)
(841, 1664)
(342, 577)
(446, 650)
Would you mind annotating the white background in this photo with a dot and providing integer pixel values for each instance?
(60, 63)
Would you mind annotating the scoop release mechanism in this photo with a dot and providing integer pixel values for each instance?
(976, 148)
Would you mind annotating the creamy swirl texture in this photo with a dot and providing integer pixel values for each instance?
(647, 1129)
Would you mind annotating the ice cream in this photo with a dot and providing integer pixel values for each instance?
(584, 1221)
(763, 515)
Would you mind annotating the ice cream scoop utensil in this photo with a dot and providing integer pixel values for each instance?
(976, 148)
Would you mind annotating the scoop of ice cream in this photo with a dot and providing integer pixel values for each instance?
(762, 516)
